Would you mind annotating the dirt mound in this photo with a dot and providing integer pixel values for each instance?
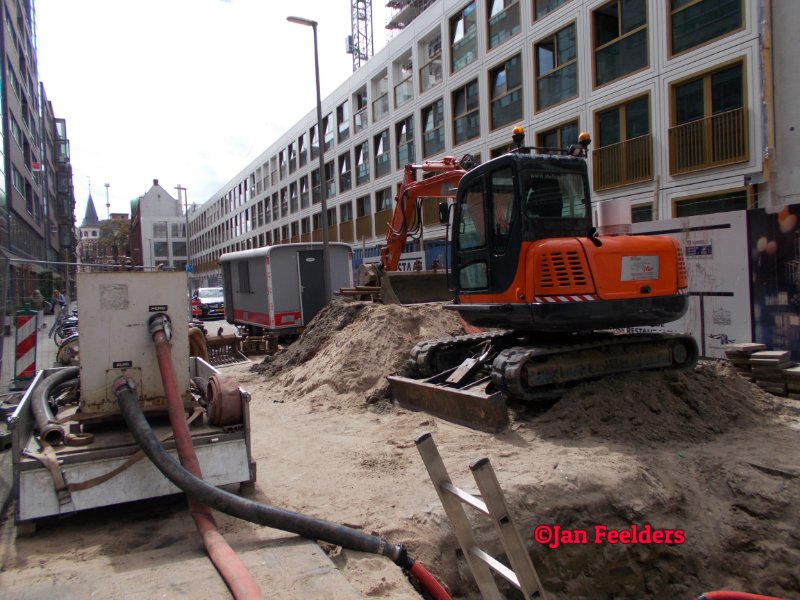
(662, 406)
(350, 347)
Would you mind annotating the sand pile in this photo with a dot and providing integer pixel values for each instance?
(704, 452)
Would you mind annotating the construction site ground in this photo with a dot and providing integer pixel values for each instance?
(704, 452)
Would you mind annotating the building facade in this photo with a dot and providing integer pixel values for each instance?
(690, 105)
(158, 231)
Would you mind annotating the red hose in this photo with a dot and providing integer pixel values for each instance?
(229, 565)
(734, 596)
(429, 582)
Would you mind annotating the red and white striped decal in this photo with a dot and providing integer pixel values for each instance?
(25, 366)
(683, 291)
(561, 299)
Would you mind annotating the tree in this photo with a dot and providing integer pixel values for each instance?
(114, 242)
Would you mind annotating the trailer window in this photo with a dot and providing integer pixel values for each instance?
(502, 192)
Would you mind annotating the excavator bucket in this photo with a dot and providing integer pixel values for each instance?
(472, 406)
(415, 287)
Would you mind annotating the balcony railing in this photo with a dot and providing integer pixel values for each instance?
(382, 218)
(360, 120)
(333, 233)
(627, 162)
(712, 142)
(380, 107)
(364, 227)
(346, 232)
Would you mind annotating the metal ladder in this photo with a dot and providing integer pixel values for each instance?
(493, 504)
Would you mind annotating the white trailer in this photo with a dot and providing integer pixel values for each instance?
(280, 288)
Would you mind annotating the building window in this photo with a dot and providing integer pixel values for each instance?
(430, 74)
(463, 38)
(712, 203)
(556, 68)
(383, 200)
(314, 139)
(404, 134)
(362, 163)
(542, 8)
(383, 155)
(327, 126)
(620, 39)
(466, 113)
(330, 179)
(303, 193)
(504, 21)
(380, 89)
(294, 205)
(709, 121)
(506, 92)
(343, 120)
(624, 152)
(315, 187)
(363, 206)
(302, 150)
(695, 22)
(292, 157)
(161, 249)
(345, 172)
(433, 126)
(641, 213)
(160, 229)
(179, 249)
(346, 212)
(177, 230)
(360, 116)
(404, 91)
(558, 137)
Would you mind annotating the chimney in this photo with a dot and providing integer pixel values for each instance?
(155, 181)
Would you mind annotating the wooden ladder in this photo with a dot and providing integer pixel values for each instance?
(492, 503)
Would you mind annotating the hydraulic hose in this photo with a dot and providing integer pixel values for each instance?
(49, 429)
(227, 562)
(724, 595)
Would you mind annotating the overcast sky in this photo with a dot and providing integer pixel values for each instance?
(184, 91)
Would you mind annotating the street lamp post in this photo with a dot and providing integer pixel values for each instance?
(188, 253)
(326, 265)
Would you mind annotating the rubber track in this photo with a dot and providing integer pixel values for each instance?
(508, 368)
(423, 354)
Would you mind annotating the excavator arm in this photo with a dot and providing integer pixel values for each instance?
(406, 221)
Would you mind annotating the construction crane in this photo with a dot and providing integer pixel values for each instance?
(359, 44)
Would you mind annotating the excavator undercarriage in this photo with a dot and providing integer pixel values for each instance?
(468, 379)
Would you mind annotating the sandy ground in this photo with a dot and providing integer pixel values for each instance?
(704, 454)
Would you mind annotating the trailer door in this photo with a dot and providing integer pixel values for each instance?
(312, 287)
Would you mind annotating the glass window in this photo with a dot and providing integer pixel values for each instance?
(710, 121)
(502, 203)
(620, 38)
(345, 172)
(558, 137)
(404, 91)
(556, 68)
(363, 206)
(343, 120)
(404, 134)
(160, 229)
(543, 7)
(302, 149)
(504, 21)
(433, 126)
(383, 199)
(642, 213)
(362, 163)
(706, 205)
(161, 249)
(327, 126)
(360, 116)
(463, 38)
(624, 152)
(383, 156)
(466, 113)
(694, 22)
(430, 73)
(471, 231)
(179, 249)
(506, 92)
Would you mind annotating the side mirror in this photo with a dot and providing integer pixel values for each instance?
(444, 213)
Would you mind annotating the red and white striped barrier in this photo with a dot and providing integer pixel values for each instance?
(25, 365)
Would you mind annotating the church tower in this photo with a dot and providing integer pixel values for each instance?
(89, 232)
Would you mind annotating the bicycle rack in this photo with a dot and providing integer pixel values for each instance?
(492, 504)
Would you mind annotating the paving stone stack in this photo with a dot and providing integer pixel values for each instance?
(768, 368)
(739, 356)
(791, 377)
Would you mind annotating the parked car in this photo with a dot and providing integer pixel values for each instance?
(208, 303)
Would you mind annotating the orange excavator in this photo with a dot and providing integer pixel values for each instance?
(550, 294)
(440, 181)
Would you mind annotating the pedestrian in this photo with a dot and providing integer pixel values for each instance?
(38, 305)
